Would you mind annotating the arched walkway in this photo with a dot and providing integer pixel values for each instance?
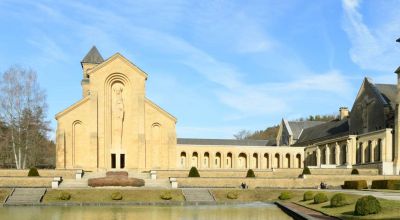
(265, 161)
(298, 161)
(195, 160)
(242, 161)
(287, 161)
(229, 160)
(218, 160)
(254, 161)
(206, 160)
(277, 161)
(183, 159)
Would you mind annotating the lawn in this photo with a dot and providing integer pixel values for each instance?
(390, 209)
(4, 193)
(104, 195)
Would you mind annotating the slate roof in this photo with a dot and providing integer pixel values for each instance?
(229, 142)
(327, 130)
(93, 56)
(298, 126)
(388, 91)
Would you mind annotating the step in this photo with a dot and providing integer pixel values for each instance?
(26, 196)
(198, 195)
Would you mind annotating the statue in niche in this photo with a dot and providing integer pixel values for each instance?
(118, 114)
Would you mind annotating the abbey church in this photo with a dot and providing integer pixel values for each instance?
(115, 127)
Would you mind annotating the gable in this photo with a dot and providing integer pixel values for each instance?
(121, 59)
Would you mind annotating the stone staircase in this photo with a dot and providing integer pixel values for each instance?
(197, 195)
(25, 196)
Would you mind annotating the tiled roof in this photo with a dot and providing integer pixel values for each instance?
(225, 142)
(298, 126)
(93, 56)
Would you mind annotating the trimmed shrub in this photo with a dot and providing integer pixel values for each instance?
(115, 181)
(166, 196)
(339, 200)
(64, 195)
(355, 184)
(285, 195)
(308, 196)
(232, 195)
(385, 184)
(116, 196)
(320, 198)
(367, 205)
(250, 174)
(194, 172)
(306, 171)
(33, 172)
(355, 172)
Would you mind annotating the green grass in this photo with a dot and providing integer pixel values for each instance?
(4, 193)
(104, 195)
(390, 209)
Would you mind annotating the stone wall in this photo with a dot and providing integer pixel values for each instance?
(25, 181)
(66, 174)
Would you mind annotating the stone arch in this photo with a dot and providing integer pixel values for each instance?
(206, 160)
(277, 161)
(332, 155)
(183, 159)
(242, 161)
(287, 161)
(343, 150)
(359, 153)
(266, 161)
(367, 152)
(218, 159)
(81, 152)
(229, 160)
(377, 150)
(297, 163)
(194, 160)
(254, 161)
(323, 156)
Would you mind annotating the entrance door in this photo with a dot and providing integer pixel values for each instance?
(117, 161)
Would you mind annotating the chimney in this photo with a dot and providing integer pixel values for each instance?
(343, 113)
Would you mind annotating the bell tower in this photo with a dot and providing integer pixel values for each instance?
(92, 59)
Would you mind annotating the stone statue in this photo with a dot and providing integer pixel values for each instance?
(118, 114)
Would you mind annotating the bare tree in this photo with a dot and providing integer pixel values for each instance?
(23, 107)
(241, 135)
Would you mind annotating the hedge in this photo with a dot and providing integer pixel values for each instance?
(306, 171)
(64, 195)
(355, 184)
(367, 205)
(33, 172)
(116, 196)
(339, 200)
(232, 195)
(309, 195)
(250, 174)
(320, 198)
(166, 196)
(285, 195)
(385, 184)
(194, 172)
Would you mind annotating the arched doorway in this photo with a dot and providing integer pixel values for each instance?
(206, 161)
(183, 159)
(229, 160)
(277, 161)
(266, 161)
(254, 161)
(298, 161)
(242, 161)
(218, 160)
(195, 159)
(287, 161)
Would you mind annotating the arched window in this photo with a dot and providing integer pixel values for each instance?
(242, 163)
(183, 159)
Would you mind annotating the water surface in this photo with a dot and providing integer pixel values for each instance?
(253, 211)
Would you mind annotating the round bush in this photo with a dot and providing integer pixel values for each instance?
(232, 195)
(354, 172)
(166, 196)
(33, 172)
(367, 205)
(194, 172)
(339, 200)
(250, 174)
(320, 198)
(64, 195)
(285, 196)
(306, 171)
(308, 196)
(116, 196)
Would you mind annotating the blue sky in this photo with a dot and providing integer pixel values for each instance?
(218, 66)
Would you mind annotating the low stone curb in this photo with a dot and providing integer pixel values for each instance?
(293, 213)
(170, 203)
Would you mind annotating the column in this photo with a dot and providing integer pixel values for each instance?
(318, 157)
(362, 155)
(337, 154)
(348, 159)
(327, 154)
(372, 152)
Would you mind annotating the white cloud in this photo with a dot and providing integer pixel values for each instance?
(372, 48)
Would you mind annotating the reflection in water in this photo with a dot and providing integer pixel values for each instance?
(232, 212)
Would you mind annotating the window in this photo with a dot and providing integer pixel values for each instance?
(113, 161)
(122, 161)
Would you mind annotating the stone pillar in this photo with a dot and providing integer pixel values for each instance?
(372, 152)
(337, 154)
(259, 160)
(348, 159)
(318, 157)
(327, 154)
(362, 151)
(270, 157)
